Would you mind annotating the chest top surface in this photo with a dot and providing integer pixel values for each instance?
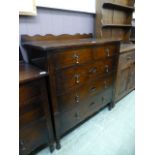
(28, 73)
(47, 45)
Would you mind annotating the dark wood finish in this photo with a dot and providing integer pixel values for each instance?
(81, 78)
(117, 25)
(125, 80)
(118, 6)
(113, 19)
(35, 128)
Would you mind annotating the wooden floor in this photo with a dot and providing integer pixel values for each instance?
(107, 133)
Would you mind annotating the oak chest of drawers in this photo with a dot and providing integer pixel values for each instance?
(81, 77)
(35, 128)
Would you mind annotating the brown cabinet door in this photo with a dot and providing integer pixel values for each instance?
(125, 80)
(122, 82)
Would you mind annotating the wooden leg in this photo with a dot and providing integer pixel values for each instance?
(111, 105)
(58, 145)
(51, 146)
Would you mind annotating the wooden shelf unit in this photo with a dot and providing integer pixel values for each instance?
(114, 19)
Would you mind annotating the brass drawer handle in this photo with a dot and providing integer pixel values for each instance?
(107, 51)
(93, 70)
(92, 103)
(76, 57)
(107, 68)
(93, 89)
(129, 58)
(21, 145)
(77, 80)
(77, 115)
(77, 98)
(105, 84)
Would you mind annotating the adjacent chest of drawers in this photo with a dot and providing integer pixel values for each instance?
(34, 115)
(81, 78)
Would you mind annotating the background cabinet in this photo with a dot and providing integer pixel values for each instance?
(125, 79)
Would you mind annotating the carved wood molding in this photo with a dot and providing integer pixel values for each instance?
(51, 37)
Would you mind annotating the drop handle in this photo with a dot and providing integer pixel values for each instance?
(93, 70)
(77, 80)
(107, 51)
(129, 58)
(77, 99)
(76, 57)
(103, 99)
(91, 104)
(21, 144)
(105, 84)
(93, 89)
(77, 115)
(107, 68)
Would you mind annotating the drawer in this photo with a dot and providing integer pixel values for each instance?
(72, 57)
(30, 90)
(106, 51)
(85, 109)
(126, 59)
(31, 111)
(76, 96)
(95, 103)
(33, 136)
(79, 75)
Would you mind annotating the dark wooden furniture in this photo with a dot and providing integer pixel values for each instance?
(35, 128)
(113, 19)
(81, 76)
(125, 79)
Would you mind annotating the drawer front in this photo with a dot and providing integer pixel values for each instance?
(95, 103)
(106, 51)
(84, 110)
(79, 75)
(29, 90)
(76, 96)
(72, 57)
(126, 59)
(31, 111)
(33, 136)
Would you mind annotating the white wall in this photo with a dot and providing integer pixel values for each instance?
(87, 6)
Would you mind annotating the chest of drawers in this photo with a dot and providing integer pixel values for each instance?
(35, 128)
(81, 78)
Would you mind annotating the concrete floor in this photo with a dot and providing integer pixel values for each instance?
(107, 133)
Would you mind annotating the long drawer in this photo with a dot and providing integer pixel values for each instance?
(79, 75)
(90, 89)
(84, 110)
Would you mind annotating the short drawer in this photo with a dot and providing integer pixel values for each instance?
(79, 75)
(72, 57)
(30, 90)
(126, 59)
(106, 51)
(33, 136)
